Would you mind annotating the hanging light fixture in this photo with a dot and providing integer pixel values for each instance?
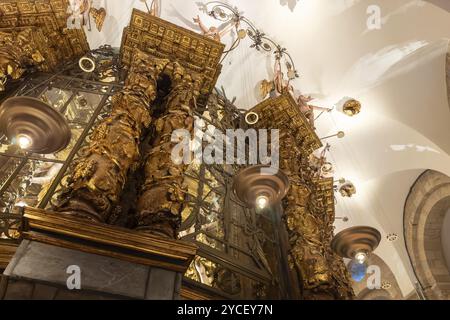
(352, 107)
(262, 202)
(23, 141)
(251, 118)
(256, 189)
(34, 125)
(356, 243)
(361, 257)
(339, 135)
(346, 188)
(87, 64)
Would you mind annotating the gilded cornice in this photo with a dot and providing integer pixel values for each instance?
(199, 55)
(37, 43)
(50, 16)
(325, 194)
(284, 114)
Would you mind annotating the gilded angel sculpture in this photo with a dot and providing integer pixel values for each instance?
(79, 10)
(154, 8)
(214, 32)
(308, 109)
(278, 85)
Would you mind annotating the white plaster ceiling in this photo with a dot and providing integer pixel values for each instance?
(398, 73)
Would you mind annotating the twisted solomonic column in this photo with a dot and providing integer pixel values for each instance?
(99, 176)
(310, 228)
(162, 195)
(308, 211)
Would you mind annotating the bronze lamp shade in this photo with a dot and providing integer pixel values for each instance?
(349, 242)
(251, 185)
(28, 118)
(352, 241)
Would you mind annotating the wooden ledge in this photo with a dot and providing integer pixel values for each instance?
(7, 250)
(78, 234)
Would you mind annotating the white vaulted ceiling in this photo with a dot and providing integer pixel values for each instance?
(398, 73)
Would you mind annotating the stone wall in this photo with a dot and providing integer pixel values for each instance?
(425, 209)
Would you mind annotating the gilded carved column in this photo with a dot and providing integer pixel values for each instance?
(100, 174)
(193, 76)
(18, 52)
(310, 224)
(305, 227)
(162, 195)
(310, 232)
(308, 212)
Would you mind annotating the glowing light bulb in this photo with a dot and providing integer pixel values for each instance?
(24, 141)
(21, 204)
(262, 202)
(361, 257)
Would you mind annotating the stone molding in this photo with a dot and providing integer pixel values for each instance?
(424, 213)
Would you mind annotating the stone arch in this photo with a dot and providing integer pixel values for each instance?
(387, 277)
(426, 206)
(447, 72)
(443, 4)
(380, 294)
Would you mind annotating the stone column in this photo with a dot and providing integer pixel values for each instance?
(100, 174)
(162, 196)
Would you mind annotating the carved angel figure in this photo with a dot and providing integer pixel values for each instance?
(308, 109)
(154, 8)
(278, 85)
(214, 32)
(320, 165)
(79, 13)
(281, 84)
(265, 88)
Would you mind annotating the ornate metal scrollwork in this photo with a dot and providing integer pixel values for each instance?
(98, 65)
(261, 42)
